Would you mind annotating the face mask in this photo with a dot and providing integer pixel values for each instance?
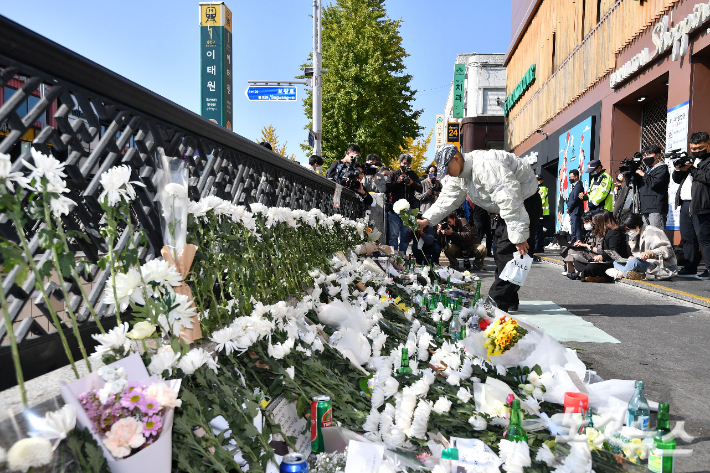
(632, 234)
(572, 180)
(432, 175)
(648, 161)
(588, 227)
(700, 154)
(620, 177)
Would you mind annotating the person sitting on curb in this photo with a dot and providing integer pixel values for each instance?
(653, 255)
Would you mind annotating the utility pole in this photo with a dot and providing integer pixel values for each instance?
(314, 80)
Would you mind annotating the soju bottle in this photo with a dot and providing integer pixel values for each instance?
(462, 334)
(586, 422)
(657, 461)
(424, 302)
(454, 328)
(460, 302)
(448, 282)
(436, 289)
(478, 291)
(515, 432)
(404, 369)
(432, 302)
(638, 414)
(440, 329)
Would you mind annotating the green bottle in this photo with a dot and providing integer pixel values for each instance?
(515, 432)
(448, 283)
(463, 332)
(586, 422)
(436, 289)
(432, 302)
(657, 462)
(424, 302)
(404, 369)
(440, 329)
(478, 291)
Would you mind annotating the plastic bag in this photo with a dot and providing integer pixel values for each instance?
(517, 269)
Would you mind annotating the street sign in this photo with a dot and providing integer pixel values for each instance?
(439, 131)
(216, 63)
(453, 134)
(459, 78)
(266, 93)
(311, 140)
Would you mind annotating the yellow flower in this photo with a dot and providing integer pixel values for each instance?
(141, 330)
(595, 438)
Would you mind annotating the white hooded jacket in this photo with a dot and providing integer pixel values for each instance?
(497, 181)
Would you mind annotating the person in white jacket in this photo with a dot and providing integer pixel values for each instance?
(502, 184)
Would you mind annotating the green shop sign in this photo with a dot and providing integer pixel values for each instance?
(459, 78)
(519, 89)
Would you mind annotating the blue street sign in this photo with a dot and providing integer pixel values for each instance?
(264, 93)
(311, 140)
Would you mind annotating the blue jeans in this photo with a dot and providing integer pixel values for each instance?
(398, 232)
(431, 252)
(634, 264)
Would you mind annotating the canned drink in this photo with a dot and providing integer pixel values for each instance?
(294, 463)
(321, 417)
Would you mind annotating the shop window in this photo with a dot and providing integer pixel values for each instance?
(653, 129)
(22, 108)
(26, 105)
(31, 102)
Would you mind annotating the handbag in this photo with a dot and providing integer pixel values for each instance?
(517, 269)
(660, 272)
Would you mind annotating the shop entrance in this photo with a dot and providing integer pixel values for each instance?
(653, 128)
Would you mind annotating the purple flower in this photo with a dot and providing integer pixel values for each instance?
(149, 406)
(131, 400)
(134, 387)
(152, 425)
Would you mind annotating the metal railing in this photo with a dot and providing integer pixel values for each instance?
(92, 119)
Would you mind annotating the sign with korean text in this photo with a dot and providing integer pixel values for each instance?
(216, 63)
(439, 131)
(261, 93)
(459, 78)
(676, 138)
(453, 133)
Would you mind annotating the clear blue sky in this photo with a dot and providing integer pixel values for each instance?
(156, 44)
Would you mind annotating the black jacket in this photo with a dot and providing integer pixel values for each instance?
(330, 174)
(615, 240)
(463, 235)
(700, 191)
(653, 190)
(396, 190)
(575, 205)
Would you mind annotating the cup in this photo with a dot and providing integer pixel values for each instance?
(576, 402)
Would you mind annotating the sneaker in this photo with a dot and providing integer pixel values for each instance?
(686, 273)
(614, 273)
(573, 276)
(636, 276)
(564, 273)
(705, 275)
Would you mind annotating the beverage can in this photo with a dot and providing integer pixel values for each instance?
(294, 463)
(321, 417)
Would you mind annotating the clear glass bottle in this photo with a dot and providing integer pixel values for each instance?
(454, 328)
(638, 414)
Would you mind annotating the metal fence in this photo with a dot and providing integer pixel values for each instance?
(92, 119)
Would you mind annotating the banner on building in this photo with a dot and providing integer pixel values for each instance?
(459, 79)
(216, 63)
(439, 131)
(676, 138)
(575, 153)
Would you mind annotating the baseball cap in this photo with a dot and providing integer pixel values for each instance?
(593, 164)
(443, 157)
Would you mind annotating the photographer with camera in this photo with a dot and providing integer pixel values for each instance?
(403, 184)
(599, 195)
(693, 197)
(375, 179)
(351, 156)
(358, 188)
(430, 190)
(653, 187)
(456, 235)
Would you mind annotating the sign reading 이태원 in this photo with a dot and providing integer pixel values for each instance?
(216, 63)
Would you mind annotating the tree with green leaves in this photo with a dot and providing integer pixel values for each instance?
(367, 98)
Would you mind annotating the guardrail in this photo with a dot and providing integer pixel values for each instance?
(92, 119)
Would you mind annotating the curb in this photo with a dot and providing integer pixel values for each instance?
(680, 295)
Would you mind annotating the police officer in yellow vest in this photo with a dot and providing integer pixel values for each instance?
(540, 235)
(599, 195)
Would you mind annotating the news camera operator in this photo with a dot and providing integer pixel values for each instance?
(456, 235)
(430, 190)
(351, 156)
(653, 187)
(403, 184)
(693, 196)
(375, 179)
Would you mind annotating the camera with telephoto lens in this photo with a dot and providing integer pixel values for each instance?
(371, 169)
(444, 225)
(347, 175)
(630, 165)
(407, 180)
(678, 157)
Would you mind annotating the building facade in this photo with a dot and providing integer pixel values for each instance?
(482, 124)
(610, 77)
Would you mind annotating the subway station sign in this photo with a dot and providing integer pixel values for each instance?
(216, 63)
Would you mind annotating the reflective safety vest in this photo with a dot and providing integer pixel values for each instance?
(600, 194)
(543, 191)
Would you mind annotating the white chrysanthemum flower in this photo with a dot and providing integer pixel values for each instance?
(478, 422)
(442, 405)
(195, 359)
(395, 437)
(420, 388)
(400, 206)
(162, 272)
(45, 166)
(9, 176)
(165, 359)
(372, 422)
(318, 345)
(180, 316)
(515, 455)
(467, 369)
(117, 185)
(280, 350)
(428, 376)
(453, 379)
(291, 372)
(29, 453)
(545, 455)
(60, 205)
(197, 209)
(405, 411)
(464, 394)
(176, 190)
(223, 339)
(378, 397)
(258, 208)
(129, 287)
(61, 421)
(421, 420)
(214, 203)
(112, 340)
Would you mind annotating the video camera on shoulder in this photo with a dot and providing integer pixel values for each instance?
(678, 158)
(630, 165)
(347, 175)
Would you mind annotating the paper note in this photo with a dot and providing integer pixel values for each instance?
(286, 415)
(577, 382)
(364, 457)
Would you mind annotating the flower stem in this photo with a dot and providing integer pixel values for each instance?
(58, 269)
(76, 277)
(13, 348)
(112, 257)
(40, 286)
